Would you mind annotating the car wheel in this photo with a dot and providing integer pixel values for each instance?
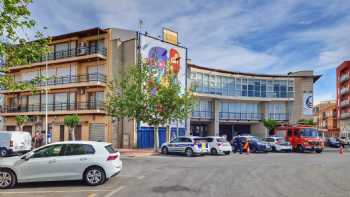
(189, 152)
(3, 152)
(165, 150)
(94, 176)
(227, 152)
(213, 151)
(319, 150)
(7, 179)
(274, 149)
(300, 148)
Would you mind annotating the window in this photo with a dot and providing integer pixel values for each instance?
(49, 151)
(185, 140)
(78, 149)
(110, 149)
(176, 140)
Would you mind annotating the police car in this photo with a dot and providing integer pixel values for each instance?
(188, 145)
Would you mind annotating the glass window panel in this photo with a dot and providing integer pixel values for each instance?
(205, 83)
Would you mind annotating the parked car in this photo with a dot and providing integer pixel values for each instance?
(344, 140)
(333, 142)
(255, 144)
(218, 145)
(278, 144)
(188, 145)
(13, 142)
(92, 162)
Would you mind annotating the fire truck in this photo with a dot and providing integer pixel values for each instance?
(302, 137)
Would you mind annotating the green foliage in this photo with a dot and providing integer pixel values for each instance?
(21, 120)
(15, 46)
(306, 122)
(137, 95)
(71, 121)
(270, 124)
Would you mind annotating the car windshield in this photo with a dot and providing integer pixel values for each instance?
(309, 132)
(221, 140)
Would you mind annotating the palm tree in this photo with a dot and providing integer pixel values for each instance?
(20, 121)
(71, 122)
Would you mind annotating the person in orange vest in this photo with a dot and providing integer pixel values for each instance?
(246, 146)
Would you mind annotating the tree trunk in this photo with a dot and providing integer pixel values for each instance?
(168, 133)
(156, 137)
(73, 133)
(177, 128)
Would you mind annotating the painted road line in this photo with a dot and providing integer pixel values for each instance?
(114, 191)
(55, 191)
(140, 177)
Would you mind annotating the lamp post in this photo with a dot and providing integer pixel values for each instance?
(46, 100)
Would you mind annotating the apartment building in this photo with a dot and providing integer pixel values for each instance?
(343, 97)
(231, 103)
(326, 118)
(80, 65)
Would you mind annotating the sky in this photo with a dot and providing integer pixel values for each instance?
(262, 36)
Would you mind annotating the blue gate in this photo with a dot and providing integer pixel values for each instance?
(145, 136)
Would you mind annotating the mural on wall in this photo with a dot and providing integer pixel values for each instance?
(157, 54)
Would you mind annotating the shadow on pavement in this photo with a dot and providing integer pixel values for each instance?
(51, 184)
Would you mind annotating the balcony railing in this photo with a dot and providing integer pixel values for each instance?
(93, 77)
(344, 77)
(345, 115)
(344, 91)
(278, 116)
(202, 114)
(344, 103)
(236, 116)
(75, 52)
(54, 107)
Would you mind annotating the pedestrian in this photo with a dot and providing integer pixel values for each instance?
(38, 140)
(237, 144)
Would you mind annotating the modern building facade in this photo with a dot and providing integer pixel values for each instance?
(231, 103)
(343, 97)
(326, 118)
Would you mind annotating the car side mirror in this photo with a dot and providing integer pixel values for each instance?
(27, 156)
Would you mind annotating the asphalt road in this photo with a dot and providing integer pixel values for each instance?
(263, 175)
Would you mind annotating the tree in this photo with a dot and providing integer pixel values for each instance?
(270, 125)
(309, 122)
(20, 121)
(15, 45)
(71, 122)
(140, 96)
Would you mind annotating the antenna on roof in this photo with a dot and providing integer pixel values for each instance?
(140, 25)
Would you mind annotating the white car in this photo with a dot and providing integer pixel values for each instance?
(189, 145)
(218, 145)
(278, 144)
(93, 162)
(14, 142)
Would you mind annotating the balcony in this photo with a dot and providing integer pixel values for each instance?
(344, 103)
(344, 78)
(345, 115)
(69, 81)
(344, 90)
(236, 116)
(54, 108)
(202, 115)
(278, 116)
(67, 55)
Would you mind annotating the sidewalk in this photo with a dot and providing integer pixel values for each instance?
(136, 152)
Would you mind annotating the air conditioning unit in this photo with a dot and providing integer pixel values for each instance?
(82, 49)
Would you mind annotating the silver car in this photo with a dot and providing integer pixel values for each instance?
(188, 145)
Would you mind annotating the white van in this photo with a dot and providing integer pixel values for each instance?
(14, 142)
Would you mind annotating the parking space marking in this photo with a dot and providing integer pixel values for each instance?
(114, 191)
(55, 191)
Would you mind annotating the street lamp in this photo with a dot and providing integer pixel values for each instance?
(46, 99)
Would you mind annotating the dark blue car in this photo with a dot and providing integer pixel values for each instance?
(255, 144)
(333, 142)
